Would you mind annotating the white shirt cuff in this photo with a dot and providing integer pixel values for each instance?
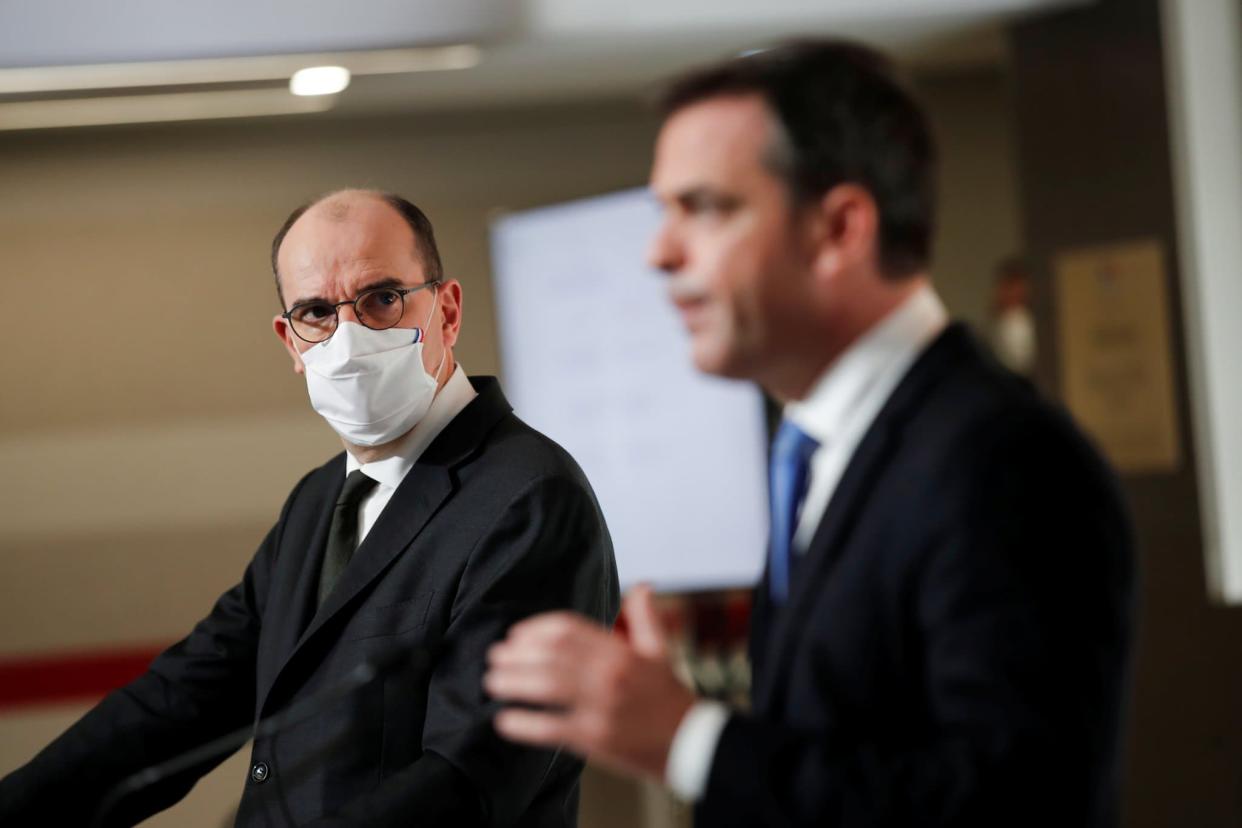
(694, 747)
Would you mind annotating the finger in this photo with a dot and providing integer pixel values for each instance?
(533, 727)
(531, 686)
(508, 654)
(552, 627)
(564, 647)
(647, 635)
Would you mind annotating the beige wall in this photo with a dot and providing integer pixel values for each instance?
(979, 220)
(150, 426)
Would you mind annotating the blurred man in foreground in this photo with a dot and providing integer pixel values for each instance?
(445, 520)
(942, 633)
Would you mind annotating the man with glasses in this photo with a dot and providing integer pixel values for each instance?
(445, 520)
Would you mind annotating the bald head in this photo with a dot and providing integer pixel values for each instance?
(340, 206)
(337, 205)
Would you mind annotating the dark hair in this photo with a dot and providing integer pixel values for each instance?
(844, 117)
(424, 236)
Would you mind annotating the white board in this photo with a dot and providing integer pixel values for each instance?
(595, 357)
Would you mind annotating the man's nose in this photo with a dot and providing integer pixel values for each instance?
(665, 252)
(347, 313)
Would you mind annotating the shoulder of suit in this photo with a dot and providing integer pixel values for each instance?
(526, 451)
(974, 405)
(984, 417)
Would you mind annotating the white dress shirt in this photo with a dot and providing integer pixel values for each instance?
(837, 412)
(389, 472)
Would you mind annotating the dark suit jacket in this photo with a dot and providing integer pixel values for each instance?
(493, 523)
(955, 648)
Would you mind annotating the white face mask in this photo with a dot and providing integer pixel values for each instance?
(369, 385)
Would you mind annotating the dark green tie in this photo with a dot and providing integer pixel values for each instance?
(343, 533)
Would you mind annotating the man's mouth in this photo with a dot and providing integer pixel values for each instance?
(691, 310)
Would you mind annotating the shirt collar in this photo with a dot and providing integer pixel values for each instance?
(887, 347)
(448, 403)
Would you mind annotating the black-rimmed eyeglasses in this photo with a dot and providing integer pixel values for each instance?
(378, 308)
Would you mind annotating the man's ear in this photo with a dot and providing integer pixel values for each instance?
(450, 311)
(281, 326)
(846, 231)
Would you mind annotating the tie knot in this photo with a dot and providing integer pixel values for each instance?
(357, 486)
(792, 443)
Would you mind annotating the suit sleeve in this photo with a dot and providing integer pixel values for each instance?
(548, 549)
(198, 689)
(1020, 610)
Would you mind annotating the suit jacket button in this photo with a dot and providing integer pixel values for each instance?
(259, 772)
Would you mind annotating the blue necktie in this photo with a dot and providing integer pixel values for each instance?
(791, 458)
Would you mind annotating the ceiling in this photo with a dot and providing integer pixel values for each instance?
(530, 51)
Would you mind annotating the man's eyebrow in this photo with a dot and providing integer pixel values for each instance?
(701, 195)
(386, 281)
(310, 300)
(678, 195)
(694, 191)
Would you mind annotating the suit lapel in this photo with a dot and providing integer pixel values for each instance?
(872, 456)
(419, 496)
(296, 574)
(415, 502)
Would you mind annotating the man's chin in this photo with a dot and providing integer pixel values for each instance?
(717, 362)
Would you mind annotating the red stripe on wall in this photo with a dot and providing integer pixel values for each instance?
(64, 677)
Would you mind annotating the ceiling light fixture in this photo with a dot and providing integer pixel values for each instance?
(319, 80)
